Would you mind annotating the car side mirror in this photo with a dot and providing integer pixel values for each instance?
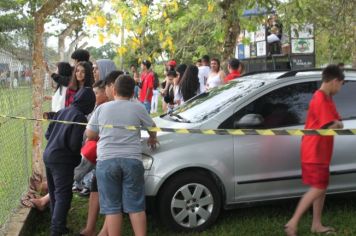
(249, 121)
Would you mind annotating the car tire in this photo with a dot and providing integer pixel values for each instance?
(189, 201)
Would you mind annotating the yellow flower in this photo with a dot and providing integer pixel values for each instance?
(144, 10)
(210, 7)
(136, 41)
(160, 36)
(175, 6)
(139, 30)
(101, 21)
(165, 14)
(101, 38)
(90, 21)
(121, 50)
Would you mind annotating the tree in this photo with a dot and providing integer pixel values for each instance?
(40, 16)
(334, 23)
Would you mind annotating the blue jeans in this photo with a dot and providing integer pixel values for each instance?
(121, 185)
(147, 106)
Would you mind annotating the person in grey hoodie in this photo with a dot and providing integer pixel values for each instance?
(102, 68)
(62, 155)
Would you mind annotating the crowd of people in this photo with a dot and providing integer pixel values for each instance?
(97, 93)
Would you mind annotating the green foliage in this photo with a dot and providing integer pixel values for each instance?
(334, 23)
(106, 51)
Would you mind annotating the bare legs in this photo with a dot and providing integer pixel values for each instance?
(113, 224)
(313, 196)
(93, 210)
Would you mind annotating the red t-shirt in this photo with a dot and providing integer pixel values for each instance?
(322, 111)
(147, 80)
(234, 74)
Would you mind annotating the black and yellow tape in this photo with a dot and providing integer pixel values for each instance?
(234, 132)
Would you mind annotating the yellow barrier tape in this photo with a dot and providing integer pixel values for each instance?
(234, 132)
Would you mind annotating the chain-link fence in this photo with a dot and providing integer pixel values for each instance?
(15, 135)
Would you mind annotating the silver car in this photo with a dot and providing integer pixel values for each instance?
(191, 177)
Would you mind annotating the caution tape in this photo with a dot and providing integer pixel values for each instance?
(234, 132)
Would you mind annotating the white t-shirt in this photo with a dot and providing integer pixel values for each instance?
(203, 75)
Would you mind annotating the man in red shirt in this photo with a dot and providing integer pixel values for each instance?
(233, 68)
(147, 81)
(316, 151)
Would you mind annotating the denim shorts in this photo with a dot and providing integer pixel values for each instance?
(121, 185)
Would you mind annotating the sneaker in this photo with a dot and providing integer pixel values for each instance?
(76, 189)
(85, 192)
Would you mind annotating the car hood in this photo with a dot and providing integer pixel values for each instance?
(166, 139)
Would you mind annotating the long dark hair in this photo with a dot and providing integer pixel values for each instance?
(88, 78)
(189, 83)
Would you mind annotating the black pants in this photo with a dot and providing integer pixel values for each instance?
(60, 181)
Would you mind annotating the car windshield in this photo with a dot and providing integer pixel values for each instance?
(212, 102)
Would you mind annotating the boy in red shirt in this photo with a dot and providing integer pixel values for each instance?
(147, 81)
(316, 151)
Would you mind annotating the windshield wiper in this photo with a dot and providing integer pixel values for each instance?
(178, 118)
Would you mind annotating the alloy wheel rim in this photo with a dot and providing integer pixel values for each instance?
(192, 205)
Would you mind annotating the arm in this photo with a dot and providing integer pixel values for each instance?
(222, 76)
(152, 140)
(91, 135)
(334, 125)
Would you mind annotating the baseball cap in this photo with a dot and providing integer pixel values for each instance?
(172, 63)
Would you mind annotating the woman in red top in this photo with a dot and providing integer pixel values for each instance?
(316, 151)
(82, 77)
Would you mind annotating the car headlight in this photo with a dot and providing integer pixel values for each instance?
(147, 161)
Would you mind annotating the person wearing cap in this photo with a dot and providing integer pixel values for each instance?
(171, 65)
(147, 81)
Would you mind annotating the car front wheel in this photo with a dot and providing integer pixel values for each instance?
(190, 201)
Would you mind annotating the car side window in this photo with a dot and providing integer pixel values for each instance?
(284, 106)
(345, 100)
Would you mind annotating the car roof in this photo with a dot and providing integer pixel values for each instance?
(274, 75)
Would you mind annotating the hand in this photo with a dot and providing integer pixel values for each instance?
(152, 142)
(46, 98)
(46, 66)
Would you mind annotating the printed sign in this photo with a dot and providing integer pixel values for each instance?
(261, 48)
(260, 34)
(302, 46)
(305, 31)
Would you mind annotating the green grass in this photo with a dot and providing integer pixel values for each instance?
(265, 220)
(15, 148)
(258, 220)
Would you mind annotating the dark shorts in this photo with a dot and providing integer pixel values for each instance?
(316, 175)
(121, 186)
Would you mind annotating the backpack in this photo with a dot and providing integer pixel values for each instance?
(155, 81)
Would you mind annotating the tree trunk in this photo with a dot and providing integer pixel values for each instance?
(37, 95)
(74, 43)
(231, 24)
(65, 33)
